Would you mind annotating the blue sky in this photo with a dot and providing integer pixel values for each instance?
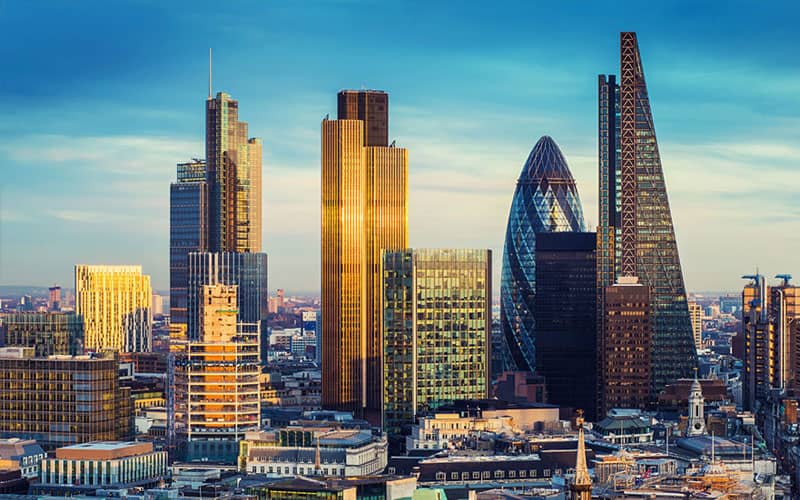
(101, 99)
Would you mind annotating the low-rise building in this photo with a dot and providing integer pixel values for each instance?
(624, 426)
(441, 430)
(26, 453)
(112, 465)
(313, 451)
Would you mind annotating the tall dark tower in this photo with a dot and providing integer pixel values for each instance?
(371, 107)
(636, 236)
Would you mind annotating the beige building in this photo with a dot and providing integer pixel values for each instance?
(115, 304)
(217, 395)
(696, 314)
(364, 211)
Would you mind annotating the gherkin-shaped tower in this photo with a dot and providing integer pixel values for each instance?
(545, 200)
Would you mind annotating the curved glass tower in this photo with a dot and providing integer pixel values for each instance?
(545, 200)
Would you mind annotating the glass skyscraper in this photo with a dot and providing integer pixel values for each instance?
(636, 236)
(188, 201)
(545, 200)
(436, 330)
(47, 332)
(247, 270)
(364, 212)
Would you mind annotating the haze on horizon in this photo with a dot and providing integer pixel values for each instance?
(102, 105)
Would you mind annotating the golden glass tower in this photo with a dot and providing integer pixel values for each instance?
(115, 303)
(364, 212)
(234, 174)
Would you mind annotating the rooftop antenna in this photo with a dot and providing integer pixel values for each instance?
(209, 72)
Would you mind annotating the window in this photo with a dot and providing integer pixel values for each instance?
(464, 476)
(454, 476)
(546, 473)
(440, 476)
(476, 475)
(533, 472)
(523, 473)
(512, 474)
(498, 474)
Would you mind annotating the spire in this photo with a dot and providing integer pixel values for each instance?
(581, 487)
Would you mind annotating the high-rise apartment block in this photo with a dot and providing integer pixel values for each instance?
(771, 334)
(188, 232)
(47, 332)
(566, 321)
(635, 235)
(215, 380)
(234, 178)
(114, 302)
(63, 400)
(436, 331)
(625, 347)
(364, 212)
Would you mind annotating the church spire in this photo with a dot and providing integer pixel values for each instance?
(696, 426)
(581, 487)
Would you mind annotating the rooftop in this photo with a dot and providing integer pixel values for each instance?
(104, 450)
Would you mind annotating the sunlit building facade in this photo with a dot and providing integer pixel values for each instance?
(696, 313)
(115, 303)
(636, 235)
(47, 332)
(216, 385)
(436, 331)
(234, 178)
(63, 400)
(545, 200)
(188, 232)
(364, 212)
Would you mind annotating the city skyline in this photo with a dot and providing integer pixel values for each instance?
(725, 132)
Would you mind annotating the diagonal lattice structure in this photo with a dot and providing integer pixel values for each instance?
(545, 200)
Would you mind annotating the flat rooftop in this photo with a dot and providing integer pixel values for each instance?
(104, 450)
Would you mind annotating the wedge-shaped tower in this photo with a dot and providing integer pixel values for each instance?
(545, 200)
(636, 236)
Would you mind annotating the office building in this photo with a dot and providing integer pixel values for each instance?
(63, 400)
(625, 346)
(216, 386)
(54, 298)
(329, 451)
(364, 212)
(564, 308)
(188, 232)
(26, 453)
(47, 332)
(311, 325)
(370, 107)
(114, 302)
(545, 200)
(248, 271)
(636, 235)
(771, 334)
(112, 467)
(234, 178)
(696, 314)
(436, 331)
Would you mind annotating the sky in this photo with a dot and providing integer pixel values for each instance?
(100, 100)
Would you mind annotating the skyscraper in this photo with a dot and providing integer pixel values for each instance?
(188, 232)
(625, 346)
(234, 177)
(216, 380)
(115, 304)
(545, 200)
(696, 314)
(54, 299)
(636, 235)
(437, 308)
(371, 107)
(364, 211)
(566, 322)
(248, 271)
